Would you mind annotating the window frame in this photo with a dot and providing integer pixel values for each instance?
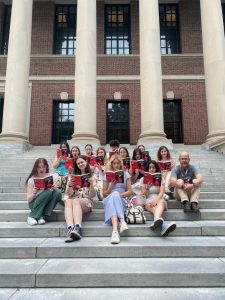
(117, 39)
(6, 29)
(56, 32)
(177, 38)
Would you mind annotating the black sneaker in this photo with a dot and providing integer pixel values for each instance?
(76, 233)
(69, 238)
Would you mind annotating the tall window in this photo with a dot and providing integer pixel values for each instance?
(169, 29)
(118, 121)
(63, 121)
(6, 27)
(117, 29)
(65, 29)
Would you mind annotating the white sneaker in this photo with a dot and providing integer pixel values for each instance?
(123, 227)
(166, 197)
(41, 221)
(115, 238)
(31, 221)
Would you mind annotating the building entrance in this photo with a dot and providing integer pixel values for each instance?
(173, 126)
(63, 121)
(118, 121)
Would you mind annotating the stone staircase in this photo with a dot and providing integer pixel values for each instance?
(189, 264)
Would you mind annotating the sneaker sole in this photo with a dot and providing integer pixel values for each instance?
(115, 242)
(75, 236)
(169, 230)
(156, 224)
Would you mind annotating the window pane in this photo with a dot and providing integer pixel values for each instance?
(65, 30)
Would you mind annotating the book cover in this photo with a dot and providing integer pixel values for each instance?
(80, 181)
(96, 160)
(165, 165)
(126, 162)
(117, 176)
(69, 163)
(44, 183)
(61, 152)
(187, 179)
(154, 179)
(138, 164)
(100, 160)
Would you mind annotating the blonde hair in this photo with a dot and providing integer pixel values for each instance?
(111, 160)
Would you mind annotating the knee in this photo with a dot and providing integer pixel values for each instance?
(68, 203)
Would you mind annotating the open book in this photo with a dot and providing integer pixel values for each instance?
(138, 164)
(154, 179)
(80, 181)
(96, 160)
(44, 183)
(117, 175)
(165, 165)
(126, 162)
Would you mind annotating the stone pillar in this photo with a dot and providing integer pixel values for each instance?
(152, 129)
(85, 75)
(214, 64)
(17, 75)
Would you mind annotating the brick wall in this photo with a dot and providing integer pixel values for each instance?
(43, 95)
(192, 93)
(190, 26)
(194, 111)
(1, 22)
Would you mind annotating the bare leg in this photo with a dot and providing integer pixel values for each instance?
(114, 220)
(69, 212)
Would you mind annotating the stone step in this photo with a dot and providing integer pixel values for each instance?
(22, 195)
(98, 215)
(97, 228)
(99, 247)
(207, 189)
(172, 203)
(113, 293)
(112, 272)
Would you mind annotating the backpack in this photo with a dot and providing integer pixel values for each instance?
(135, 215)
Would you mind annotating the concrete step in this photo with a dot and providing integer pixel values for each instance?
(99, 247)
(172, 203)
(98, 215)
(113, 293)
(112, 272)
(98, 229)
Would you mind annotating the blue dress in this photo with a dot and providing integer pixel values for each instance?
(114, 204)
(61, 169)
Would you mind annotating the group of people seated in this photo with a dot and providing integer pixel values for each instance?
(114, 178)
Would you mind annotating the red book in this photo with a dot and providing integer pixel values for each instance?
(165, 165)
(69, 163)
(138, 164)
(154, 179)
(43, 183)
(61, 152)
(117, 175)
(126, 162)
(80, 181)
(96, 160)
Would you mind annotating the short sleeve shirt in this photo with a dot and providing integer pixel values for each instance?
(186, 175)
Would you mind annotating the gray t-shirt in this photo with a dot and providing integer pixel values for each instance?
(187, 175)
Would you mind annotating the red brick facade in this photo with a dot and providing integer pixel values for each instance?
(44, 63)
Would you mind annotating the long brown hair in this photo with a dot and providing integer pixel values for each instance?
(35, 167)
(77, 170)
(159, 155)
